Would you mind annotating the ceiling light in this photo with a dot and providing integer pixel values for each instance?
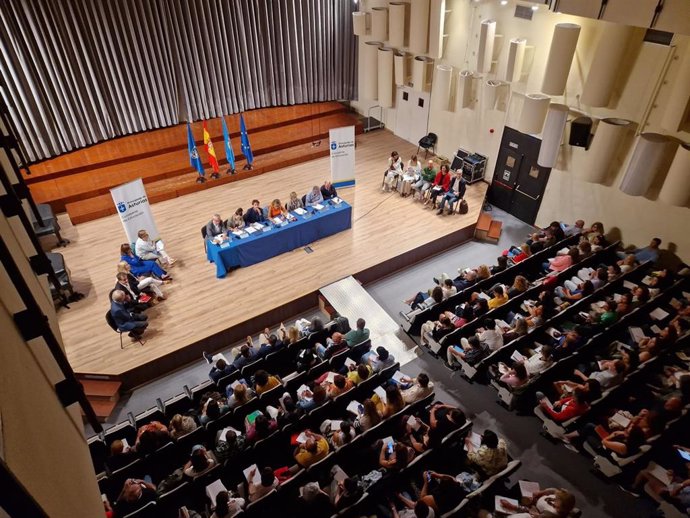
(535, 8)
(504, 2)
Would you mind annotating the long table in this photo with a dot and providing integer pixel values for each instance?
(260, 246)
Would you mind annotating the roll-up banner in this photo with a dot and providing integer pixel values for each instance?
(134, 210)
(342, 156)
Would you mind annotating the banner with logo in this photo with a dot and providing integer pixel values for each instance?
(133, 207)
(342, 156)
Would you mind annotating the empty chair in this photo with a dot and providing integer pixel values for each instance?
(179, 404)
(49, 224)
(99, 452)
(164, 461)
(428, 142)
(200, 390)
(123, 430)
(152, 414)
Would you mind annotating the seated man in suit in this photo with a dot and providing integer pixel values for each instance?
(328, 191)
(314, 197)
(124, 319)
(246, 356)
(216, 227)
(254, 214)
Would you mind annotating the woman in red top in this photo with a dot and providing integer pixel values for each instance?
(567, 407)
(440, 185)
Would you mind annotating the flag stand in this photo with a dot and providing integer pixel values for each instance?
(201, 179)
(231, 171)
(247, 167)
(215, 175)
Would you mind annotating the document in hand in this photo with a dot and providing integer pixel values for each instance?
(658, 314)
(527, 488)
(257, 475)
(355, 407)
(381, 393)
(499, 507)
(214, 488)
(475, 441)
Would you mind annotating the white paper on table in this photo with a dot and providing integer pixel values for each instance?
(349, 362)
(336, 200)
(257, 475)
(658, 314)
(318, 206)
(475, 441)
(528, 488)
(353, 407)
(300, 211)
(237, 233)
(250, 230)
(629, 285)
(257, 226)
(381, 394)
(500, 509)
(683, 356)
(214, 488)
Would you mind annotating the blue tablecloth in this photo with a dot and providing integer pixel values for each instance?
(260, 246)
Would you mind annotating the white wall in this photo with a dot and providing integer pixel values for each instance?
(642, 90)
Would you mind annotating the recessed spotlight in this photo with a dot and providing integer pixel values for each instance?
(535, 8)
(504, 2)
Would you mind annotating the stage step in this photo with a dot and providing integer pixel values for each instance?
(103, 395)
(495, 230)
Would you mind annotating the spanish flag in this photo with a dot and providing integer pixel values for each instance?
(211, 152)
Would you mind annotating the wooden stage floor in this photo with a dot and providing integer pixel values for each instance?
(205, 313)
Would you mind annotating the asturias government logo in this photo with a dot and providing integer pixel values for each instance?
(334, 145)
(121, 206)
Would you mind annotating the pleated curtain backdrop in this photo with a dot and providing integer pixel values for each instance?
(78, 72)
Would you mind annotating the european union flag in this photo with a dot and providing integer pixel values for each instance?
(229, 153)
(246, 147)
(194, 157)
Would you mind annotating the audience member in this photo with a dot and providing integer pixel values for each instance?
(135, 494)
(492, 455)
(260, 428)
(181, 425)
(267, 483)
(226, 506)
(546, 503)
(565, 408)
(369, 417)
(357, 335)
(379, 359)
(264, 382)
(420, 387)
(395, 456)
(648, 253)
(199, 462)
(471, 351)
(334, 345)
(313, 450)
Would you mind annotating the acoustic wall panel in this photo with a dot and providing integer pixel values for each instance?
(651, 153)
(561, 53)
(552, 135)
(605, 147)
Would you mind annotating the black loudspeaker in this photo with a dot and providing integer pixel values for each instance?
(580, 129)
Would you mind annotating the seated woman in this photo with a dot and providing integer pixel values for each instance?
(448, 288)
(227, 507)
(623, 443)
(214, 406)
(141, 267)
(359, 373)
(237, 220)
(481, 307)
(199, 462)
(339, 435)
(395, 456)
(276, 209)
(266, 484)
(584, 289)
(465, 315)
(150, 250)
(264, 382)
(261, 428)
(501, 265)
(416, 434)
(425, 298)
(651, 347)
(562, 262)
(520, 285)
(678, 491)
(369, 417)
(340, 385)
(181, 425)
(518, 328)
(567, 407)
(441, 493)
(444, 419)
(394, 401)
(546, 503)
(515, 377)
(295, 202)
(239, 394)
(491, 457)
(309, 399)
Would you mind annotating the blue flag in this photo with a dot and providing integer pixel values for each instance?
(246, 147)
(229, 153)
(194, 157)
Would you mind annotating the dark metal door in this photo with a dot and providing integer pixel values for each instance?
(505, 178)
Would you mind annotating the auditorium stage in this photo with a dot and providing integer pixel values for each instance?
(205, 313)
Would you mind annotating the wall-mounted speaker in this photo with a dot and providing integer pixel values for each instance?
(580, 131)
